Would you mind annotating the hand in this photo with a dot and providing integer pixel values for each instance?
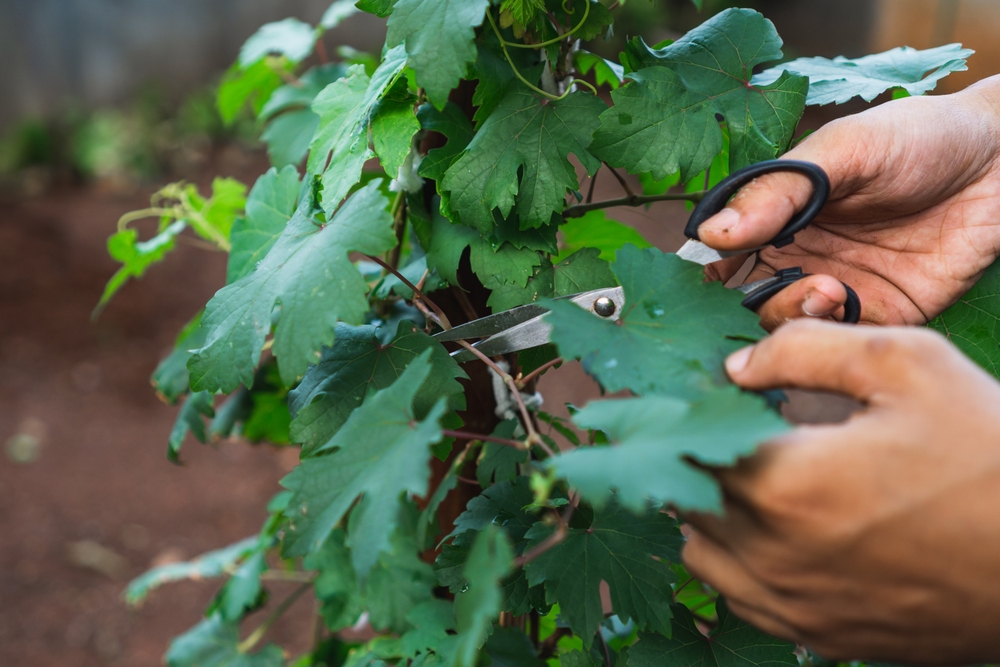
(913, 217)
(877, 538)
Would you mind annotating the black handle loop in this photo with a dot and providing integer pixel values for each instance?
(756, 298)
(719, 196)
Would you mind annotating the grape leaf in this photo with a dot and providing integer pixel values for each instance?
(499, 462)
(271, 203)
(665, 120)
(673, 334)
(243, 590)
(307, 271)
(495, 75)
(340, 147)
(580, 272)
(382, 451)
(380, 8)
(476, 607)
(597, 230)
(431, 621)
(208, 565)
(214, 643)
(136, 256)
(170, 379)
(255, 84)
(337, 12)
(523, 11)
(452, 122)
(973, 324)
(393, 125)
(290, 122)
(189, 420)
(619, 548)
(606, 72)
(838, 80)
(732, 643)
(336, 587)
(438, 36)
(530, 136)
(510, 647)
(290, 37)
(653, 435)
(359, 364)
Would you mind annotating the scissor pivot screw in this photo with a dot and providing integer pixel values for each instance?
(604, 307)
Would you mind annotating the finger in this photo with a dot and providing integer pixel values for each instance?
(725, 269)
(817, 296)
(855, 361)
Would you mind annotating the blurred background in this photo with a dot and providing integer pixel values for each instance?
(103, 102)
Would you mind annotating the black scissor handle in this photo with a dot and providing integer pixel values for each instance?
(763, 290)
(719, 196)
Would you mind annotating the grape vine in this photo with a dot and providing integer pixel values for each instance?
(436, 505)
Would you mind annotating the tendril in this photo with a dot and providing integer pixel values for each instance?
(554, 40)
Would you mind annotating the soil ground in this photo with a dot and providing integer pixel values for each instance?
(98, 503)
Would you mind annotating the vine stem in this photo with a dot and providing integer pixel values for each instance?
(554, 40)
(621, 180)
(281, 575)
(634, 200)
(522, 382)
(268, 623)
(417, 293)
(552, 540)
(682, 586)
(463, 435)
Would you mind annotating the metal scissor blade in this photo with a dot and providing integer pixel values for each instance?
(535, 331)
(491, 324)
(698, 252)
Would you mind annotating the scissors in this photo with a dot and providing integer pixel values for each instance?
(525, 327)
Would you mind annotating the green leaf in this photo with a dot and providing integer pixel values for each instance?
(531, 137)
(137, 256)
(838, 80)
(496, 76)
(290, 121)
(475, 608)
(393, 126)
(308, 272)
(381, 452)
(340, 147)
(337, 12)
(243, 590)
(189, 420)
(438, 36)
(597, 230)
(359, 364)
(254, 84)
(214, 643)
(336, 585)
(218, 212)
(606, 72)
(732, 643)
(523, 11)
(452, 122)
(500, 505)
(973, 324)
(499, 462)
(380, 8)
(170, 379)
(510, 647)
(580, 272)
(654, 435)
(673, 334)
(431, 621)
(665, 120)
(206, 566)
(290, 37)
(619, 548)
(269, 207)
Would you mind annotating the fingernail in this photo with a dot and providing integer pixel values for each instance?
(724, 221)
(738, 360)
(818, 304)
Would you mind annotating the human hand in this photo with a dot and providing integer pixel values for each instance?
(913, 217)
(877, 538)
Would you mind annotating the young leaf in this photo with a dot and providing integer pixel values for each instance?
(208, 565)
(673, 333)
(272, 201)
(438, 36)
(381, 452)
(136, 256)
(214, 643)
(973, 324)
(654, 435)
(619, 548)
(340, 147)
(530, 136)
(308, 272)
(380, 8)
(393, 126)
(597, 230)
(580, 272)
(732, 643)
(189, 420)
(665, 120)
(291, 38)
(523, 11)
(475, 608)
(838, 80)
(357, 365)
(254, 84)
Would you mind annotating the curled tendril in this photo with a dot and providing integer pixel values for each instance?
(568, 8)
(554, 40)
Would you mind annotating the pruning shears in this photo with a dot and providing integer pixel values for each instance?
(524, 327)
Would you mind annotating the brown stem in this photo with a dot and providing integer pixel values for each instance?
(321, 52)
(593, 182)
(604, 645)
(682, 586)
(621, 180)
(523, 382)
(634, 200)
(416, 291)
(467, 480)
(551, 643)
(552, 540)
(258, 634)
(398, 228)
(463, 301)
(463, 435)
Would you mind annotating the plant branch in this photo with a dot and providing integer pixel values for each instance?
(538, 371)
(682, 586)
(552, 540)
(634, 200)
(463, 435)
(281, 575)
(417, 294)
(258, 634)
(554, 40)
(621, 180)
(604, 645)
(593, 182)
